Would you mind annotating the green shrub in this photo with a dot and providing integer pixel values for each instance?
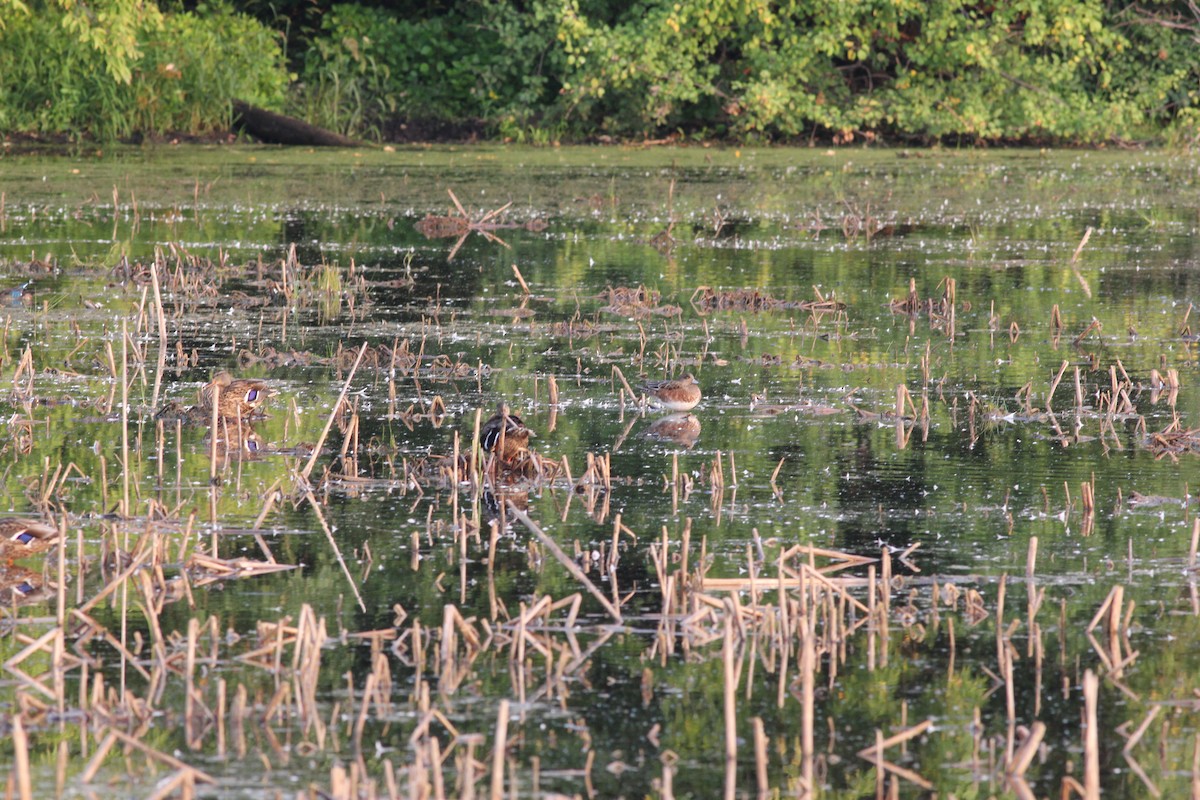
(476, 62)
(194, 66)
(541, 70)
(1029, 69)
(189, 69)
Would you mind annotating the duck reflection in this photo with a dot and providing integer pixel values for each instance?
(682, 429)
(20, 585)
(237, 443)
(494, 501)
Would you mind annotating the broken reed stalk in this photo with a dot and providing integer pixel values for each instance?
(625, 383)
(473, 464)
(903, 401)
(1195, 543)
(872, 617)
(1140, 731)
(125, 470)
(268, 504)
(1024, 754)
(498, 749)
(1082, 242)
(1054, 383)
(61, 568)
(874, 755)
(1196, 766)
(163, 344)
(808, 669)
(564, 559)
(729, 694)
(155, 755)
(1094, 325)
(521, 280)
(214, 429)
(316, 453)
(124, 603)
(1087, 496)
(189, 674)
(1091, 743)
(21, 758)
(760, 756)
(775, 490)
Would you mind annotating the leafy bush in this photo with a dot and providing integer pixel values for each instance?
(188, 70)
(194, 66)
(1029, 69)
(541, 70)
(477, 61)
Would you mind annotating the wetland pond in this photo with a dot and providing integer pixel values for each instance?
(927, 532)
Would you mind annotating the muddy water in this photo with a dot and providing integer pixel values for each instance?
(781, 279)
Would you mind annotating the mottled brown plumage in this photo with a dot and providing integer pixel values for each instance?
(21, 537)
(677, 395)
(505, 434)
(19, 585)
(680, 428)
(237, 398)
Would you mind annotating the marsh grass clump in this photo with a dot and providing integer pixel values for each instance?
(706, 300)
(329, 287)
(637, 302)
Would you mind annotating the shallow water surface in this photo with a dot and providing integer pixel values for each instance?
(938, 480)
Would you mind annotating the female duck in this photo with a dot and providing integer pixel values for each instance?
(237, 398)
(21, 537)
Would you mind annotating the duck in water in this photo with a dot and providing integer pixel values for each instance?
(236, 398)
(505, 435)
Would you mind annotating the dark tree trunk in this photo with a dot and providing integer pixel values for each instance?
(278, 129)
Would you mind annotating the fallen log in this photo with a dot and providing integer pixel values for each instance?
(280, 129)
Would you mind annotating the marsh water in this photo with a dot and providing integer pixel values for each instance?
(926, 359)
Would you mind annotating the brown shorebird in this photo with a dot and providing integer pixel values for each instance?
(681, 394)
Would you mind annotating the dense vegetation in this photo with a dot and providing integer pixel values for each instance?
(1074, 71)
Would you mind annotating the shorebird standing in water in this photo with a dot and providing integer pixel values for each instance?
(681, 394)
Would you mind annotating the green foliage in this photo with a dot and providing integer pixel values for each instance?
(183, 71)
(108, 27)
(10, 7)
(478, 61)
(543, 70)
(1030, 69)
(195, 65)
(111, 28)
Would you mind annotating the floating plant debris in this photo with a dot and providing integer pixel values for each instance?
(706, 299)
(636, 301)
(434, 226)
